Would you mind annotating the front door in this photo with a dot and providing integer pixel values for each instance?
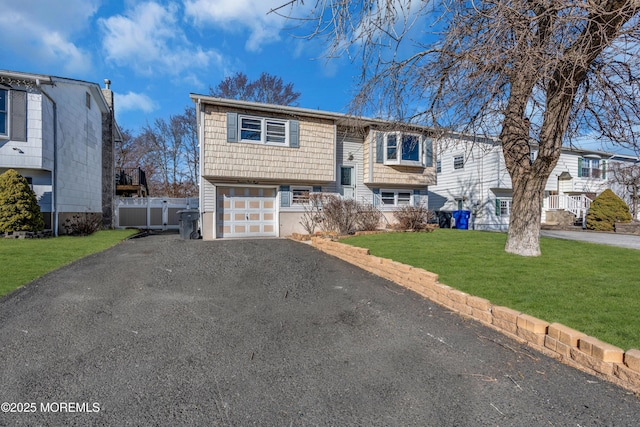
(347, 182)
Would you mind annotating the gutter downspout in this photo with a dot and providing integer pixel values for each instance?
(200, 167)
(54, 174)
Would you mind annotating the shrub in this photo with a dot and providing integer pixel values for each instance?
(333, 214)
(312, 216)
(19, 210)
(368, 217)
(83, 224)
(339, 215)
(606, 210)
(413, 218)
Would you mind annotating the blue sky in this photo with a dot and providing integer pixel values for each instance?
(157, 52)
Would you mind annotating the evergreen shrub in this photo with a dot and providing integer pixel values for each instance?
(19, 210)
(606, 210)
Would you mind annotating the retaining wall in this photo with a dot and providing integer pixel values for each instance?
(553, 339)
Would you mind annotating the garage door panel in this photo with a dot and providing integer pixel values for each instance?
(246, 212)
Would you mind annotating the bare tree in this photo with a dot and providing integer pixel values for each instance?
(538, 71)
(189, 129)
(267, 88)
(169, 152)
(125, 152)
(627, 176)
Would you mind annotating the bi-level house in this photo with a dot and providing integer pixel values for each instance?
(472, 176)
(260, 163)
(59, 134)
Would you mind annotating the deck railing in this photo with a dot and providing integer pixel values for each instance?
(131, 176)
(577, 205)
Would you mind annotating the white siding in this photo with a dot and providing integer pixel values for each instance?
(29, 154)
(485, 178)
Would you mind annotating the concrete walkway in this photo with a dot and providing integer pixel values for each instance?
(613, 239)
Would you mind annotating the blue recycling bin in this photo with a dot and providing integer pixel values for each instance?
(462, 219)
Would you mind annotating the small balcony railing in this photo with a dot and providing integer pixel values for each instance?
(131, 180)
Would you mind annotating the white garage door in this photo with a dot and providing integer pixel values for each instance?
(246, 212)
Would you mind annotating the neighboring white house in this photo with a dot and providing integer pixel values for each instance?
(260, 163)
(472, 175)
(59, 134)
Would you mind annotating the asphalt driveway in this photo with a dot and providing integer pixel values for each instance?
(630, 241)
(160, 331)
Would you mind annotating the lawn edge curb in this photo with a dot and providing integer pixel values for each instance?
(555, 340)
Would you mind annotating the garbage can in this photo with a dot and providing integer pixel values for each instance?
(462, 219)
(188, 223)
(444, 219)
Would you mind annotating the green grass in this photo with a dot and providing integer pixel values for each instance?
(592, 288)
(23, 260)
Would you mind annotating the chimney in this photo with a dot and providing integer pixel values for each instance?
(108, 93)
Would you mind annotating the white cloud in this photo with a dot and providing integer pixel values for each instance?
(132, 101)
(148, 39)
(231, 15)
(44, 31)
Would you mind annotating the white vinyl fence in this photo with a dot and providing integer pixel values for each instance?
(154, 213)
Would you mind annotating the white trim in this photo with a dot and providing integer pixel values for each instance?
(399, 149)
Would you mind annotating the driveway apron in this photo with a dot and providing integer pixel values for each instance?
(162, 331)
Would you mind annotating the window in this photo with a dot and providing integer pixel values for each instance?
(4, 112)
(392, 147)
(532, 156)
(345, 175)
(395, 197)
(300, 195)
(87, 100)
(458, 162)
(13, 114)
(262, 130)
(503, 207)
(438, 166)
(591, 168)
(403, 149)
(411, 148)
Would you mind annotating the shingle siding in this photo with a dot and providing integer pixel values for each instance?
(313, 161)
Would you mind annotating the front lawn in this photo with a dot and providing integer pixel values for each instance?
(23, 260)
(592, 288)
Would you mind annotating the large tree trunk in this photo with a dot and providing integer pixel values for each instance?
(524, 226)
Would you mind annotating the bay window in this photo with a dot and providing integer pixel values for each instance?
(403, 149)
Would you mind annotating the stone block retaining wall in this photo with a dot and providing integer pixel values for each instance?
(555, 340)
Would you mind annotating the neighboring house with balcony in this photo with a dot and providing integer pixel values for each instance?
(472, 175)
(59, 134)
(260, 163)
